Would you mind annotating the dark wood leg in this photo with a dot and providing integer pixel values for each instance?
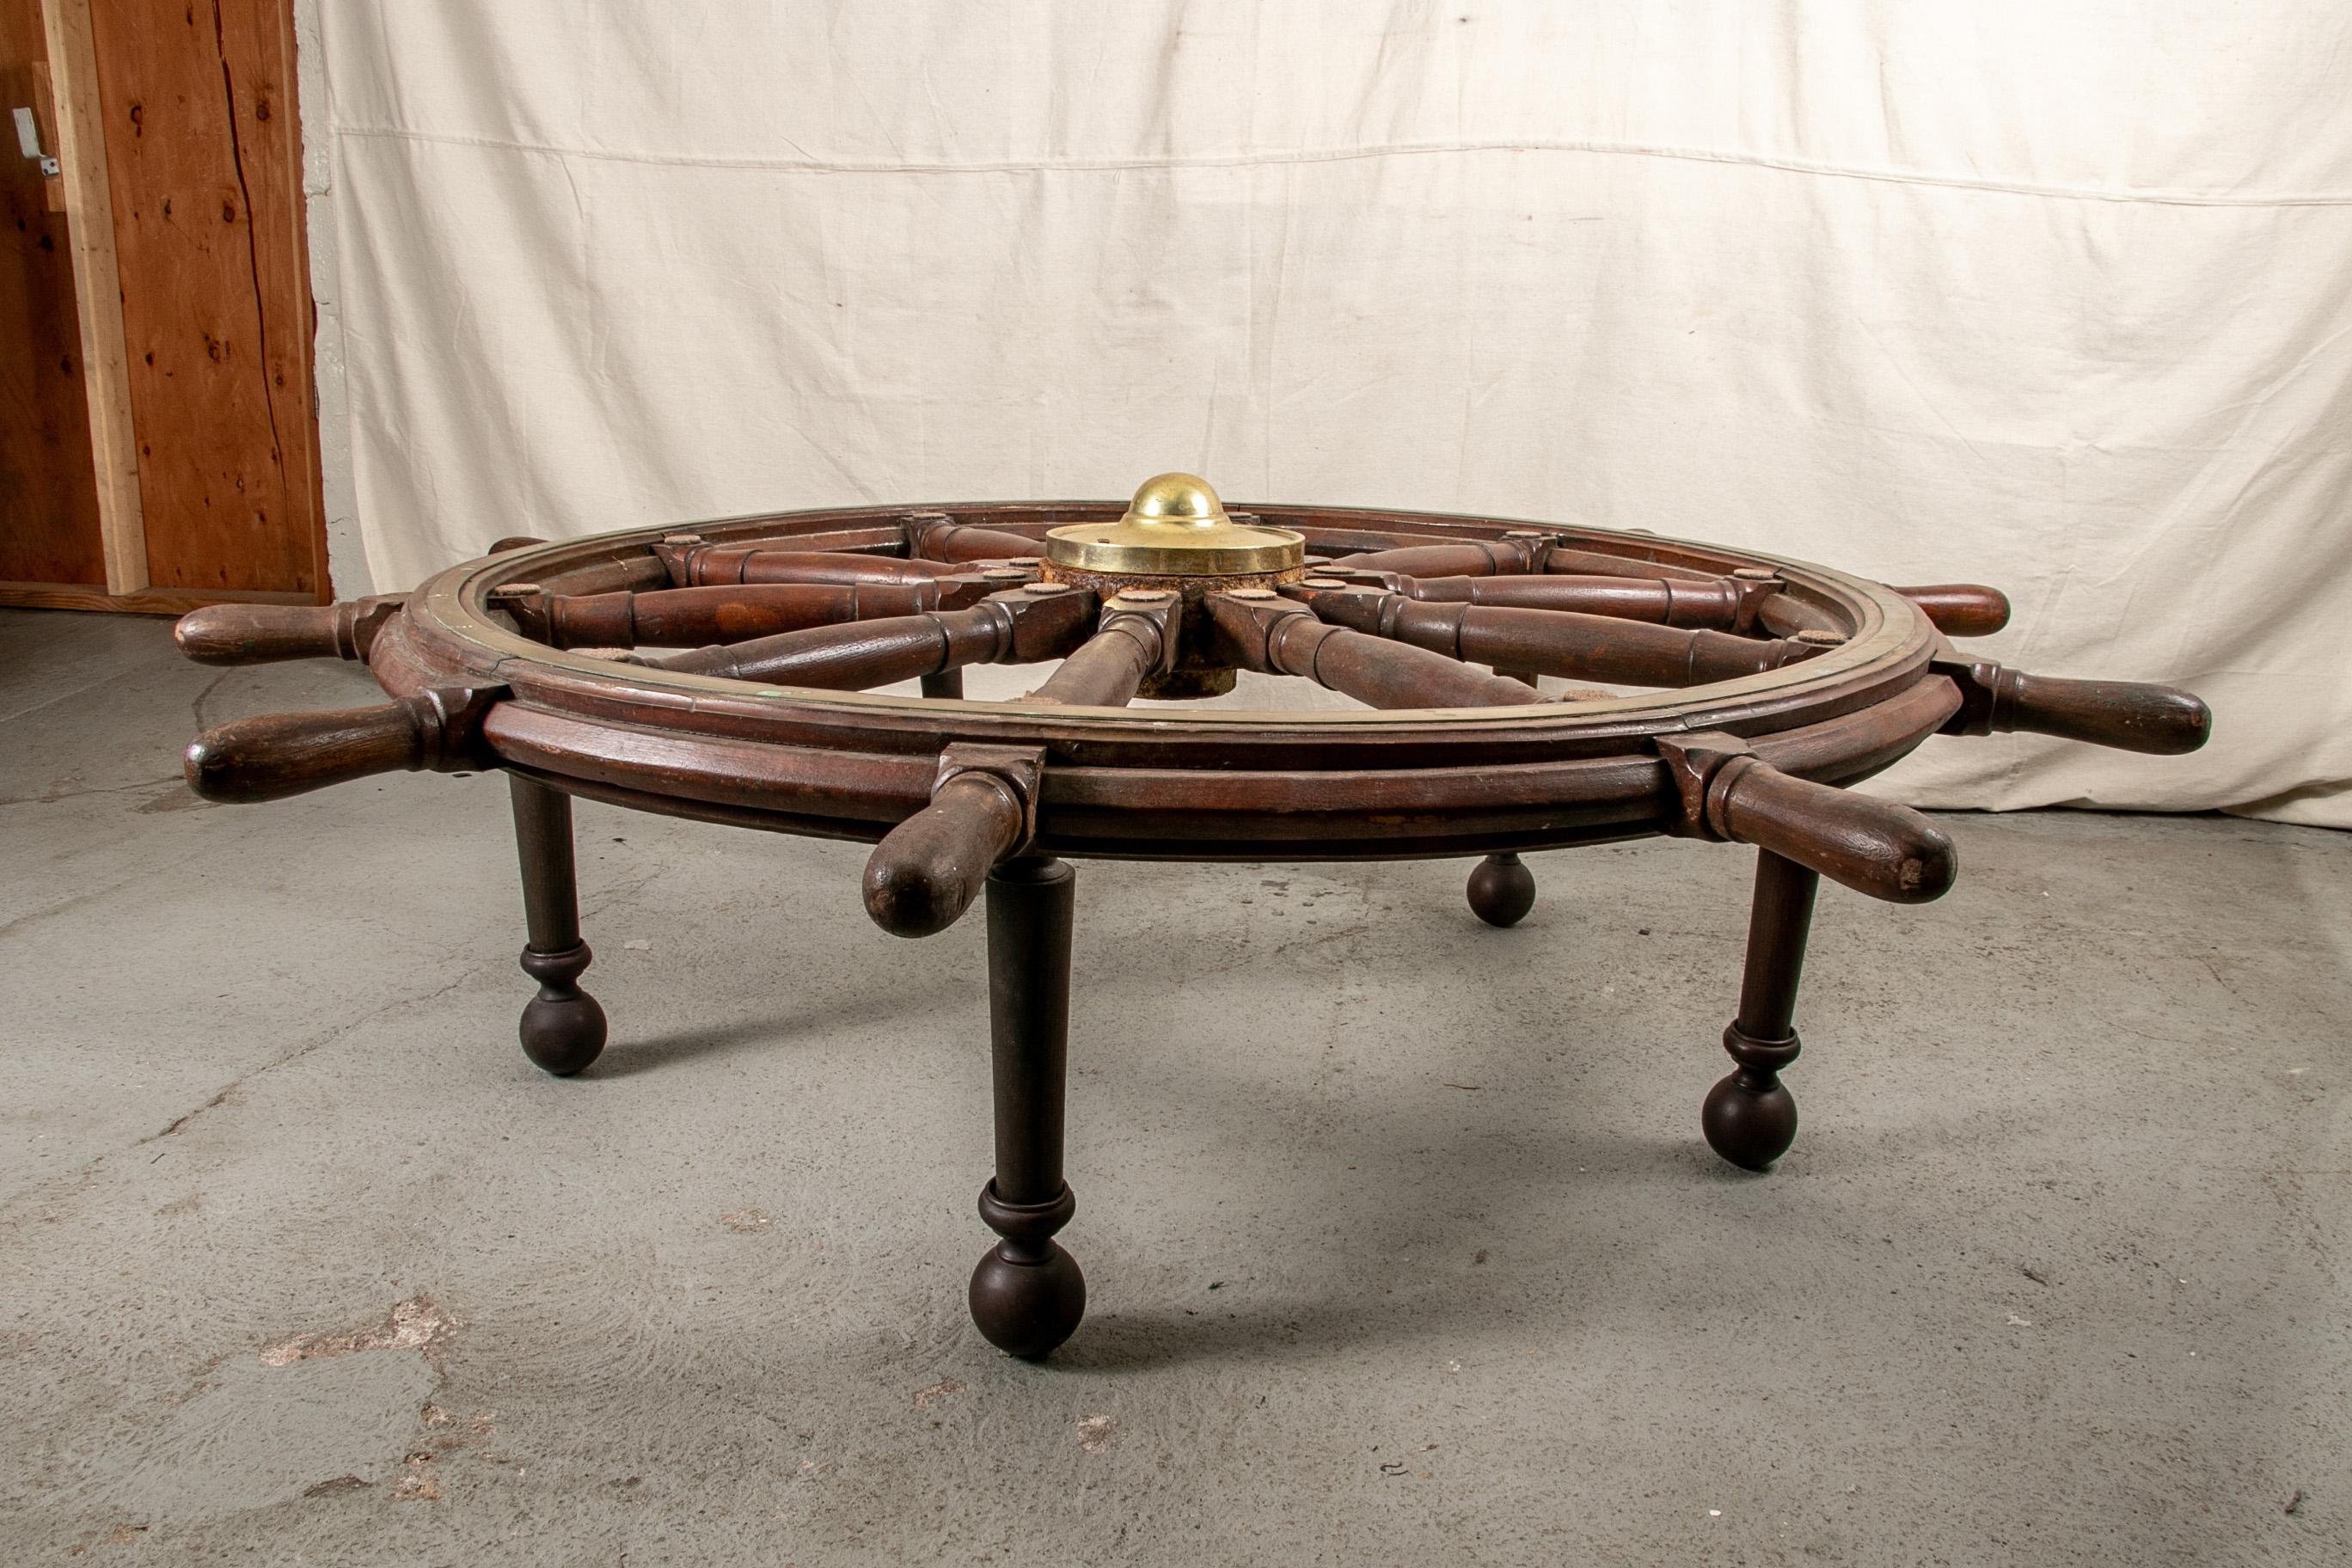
(1749, 1116)
(945, 683)
(562, 1026)
(1027, 1294)
(1501, 891)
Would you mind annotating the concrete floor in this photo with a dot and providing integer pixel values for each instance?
(1402, 1242)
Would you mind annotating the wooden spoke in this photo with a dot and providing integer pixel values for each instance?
(857, 539)
(1138, 636)
(983, 808)
(1104, 673)
(1875, 847)
(693, 617)
(2129, 715)
(1961, 609)
(1511, 554)
(1276, 636)
(272, 755)
(1599, 563)
(618, 574)
(935, 536)
(1336, 543)
(1023, 627)
(264, 633)
(1721, 603)
(697, 565)
(1560, 642)
(1787, 615)
(844, 618)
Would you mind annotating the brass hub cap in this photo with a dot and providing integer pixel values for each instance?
(1177, 535)
(1176, 527)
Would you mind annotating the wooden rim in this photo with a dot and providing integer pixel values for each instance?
(1886, 631)
(1174, 781)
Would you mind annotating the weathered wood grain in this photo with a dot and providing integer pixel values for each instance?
(203, 147)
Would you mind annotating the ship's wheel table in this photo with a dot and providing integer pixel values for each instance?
(727, 674)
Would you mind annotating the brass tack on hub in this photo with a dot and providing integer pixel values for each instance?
(1003, 574)
(1041, 589)
(1324, 583)
(1251, 592)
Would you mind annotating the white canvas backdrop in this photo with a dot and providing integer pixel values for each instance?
(2050, 295)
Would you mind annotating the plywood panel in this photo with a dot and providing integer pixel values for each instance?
(204, 147)
(48, 493)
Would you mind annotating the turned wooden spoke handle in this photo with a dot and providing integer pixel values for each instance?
(2160, 720)
(924, 876)
(1871, 845)
(1961, 609)
(983, 808)
(279, 755)
(263, 633)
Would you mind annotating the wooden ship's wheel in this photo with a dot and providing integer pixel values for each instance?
(1736, 693)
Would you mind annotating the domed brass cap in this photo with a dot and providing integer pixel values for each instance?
(1175, 527)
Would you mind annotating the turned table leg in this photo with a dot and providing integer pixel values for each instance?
(1501, 891)
(562, 1026)
(1027, 1294)
(1749, 1116)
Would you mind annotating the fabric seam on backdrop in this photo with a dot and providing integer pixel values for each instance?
(1277, 158)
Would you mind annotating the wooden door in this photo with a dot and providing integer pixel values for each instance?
(204, 146)
(190, 474)
(49, 480)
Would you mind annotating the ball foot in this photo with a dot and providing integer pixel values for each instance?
(1027, 1295)
(1502, 890)
(1027, 1306)
(562, 1026)
(1750, 1119)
